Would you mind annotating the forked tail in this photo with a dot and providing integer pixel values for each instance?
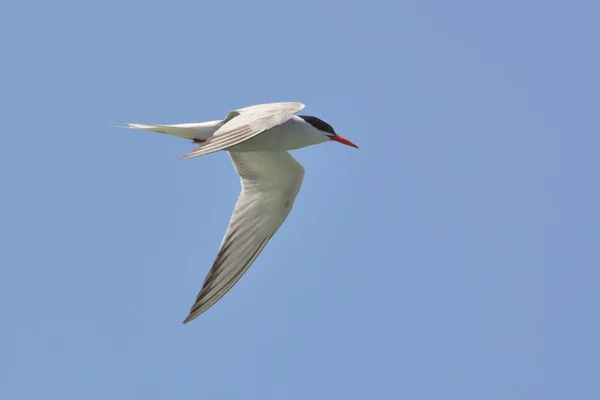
(197, 131)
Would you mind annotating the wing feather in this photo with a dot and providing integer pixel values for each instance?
(270, 181)
(245, 123)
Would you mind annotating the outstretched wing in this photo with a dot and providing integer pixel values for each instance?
(271, 181)
(245, 123)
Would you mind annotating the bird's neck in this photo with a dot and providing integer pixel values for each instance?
(297, 134)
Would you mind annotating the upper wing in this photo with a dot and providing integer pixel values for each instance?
(245, 123)
(271, 181)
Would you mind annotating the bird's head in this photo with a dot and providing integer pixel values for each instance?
(327, 130)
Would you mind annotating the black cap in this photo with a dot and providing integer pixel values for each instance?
(318, 124)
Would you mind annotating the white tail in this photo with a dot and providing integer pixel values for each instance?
(197, 130)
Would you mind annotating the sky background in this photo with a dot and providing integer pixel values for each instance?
(455, 255)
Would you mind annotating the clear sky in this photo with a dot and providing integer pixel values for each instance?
(455, 255)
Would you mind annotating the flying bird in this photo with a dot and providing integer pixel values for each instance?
(257, 139)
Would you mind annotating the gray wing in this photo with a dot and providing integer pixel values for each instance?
(245, 123)
(270, 183)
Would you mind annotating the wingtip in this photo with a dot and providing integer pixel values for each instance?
(188, 319)
(189, 155)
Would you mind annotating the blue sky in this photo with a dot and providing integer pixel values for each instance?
(454, 256)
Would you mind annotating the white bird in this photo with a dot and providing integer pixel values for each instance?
(257, 139)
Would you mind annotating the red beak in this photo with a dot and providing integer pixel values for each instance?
(342, 140)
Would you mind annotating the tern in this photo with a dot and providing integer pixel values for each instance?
(257, 139)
